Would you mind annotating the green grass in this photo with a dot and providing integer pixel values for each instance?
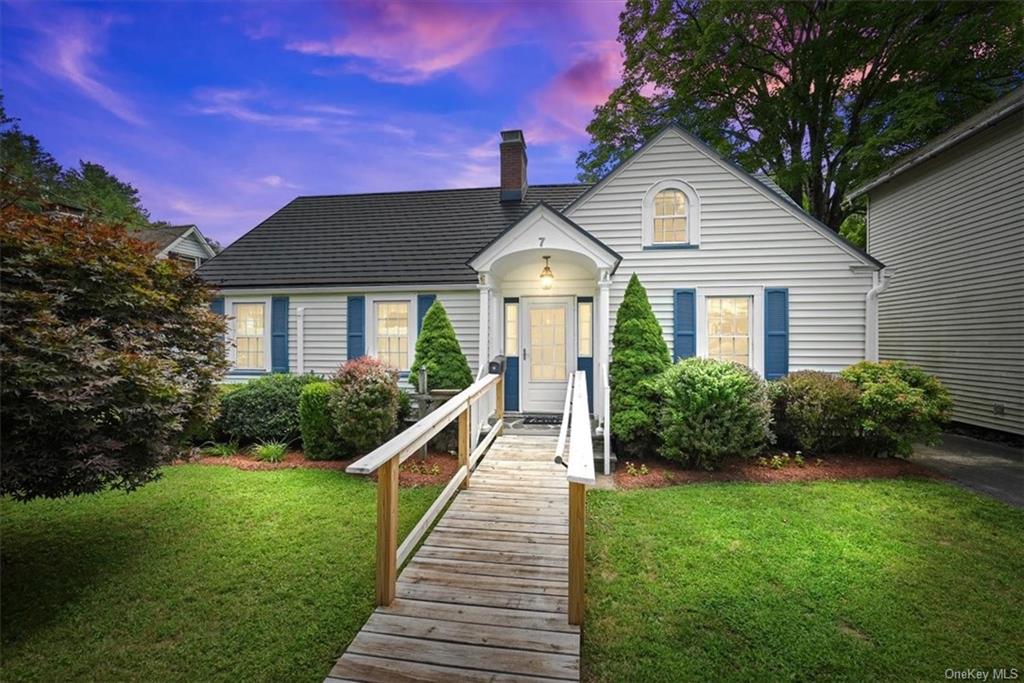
(208, 574)
(881, 580)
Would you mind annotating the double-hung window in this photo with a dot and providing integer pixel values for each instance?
(250, 336)
(392, 333)
(729, 325)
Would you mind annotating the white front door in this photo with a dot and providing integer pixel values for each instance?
(547, 354)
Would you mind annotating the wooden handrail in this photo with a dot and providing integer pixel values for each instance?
(580, 474)
(563, 429)
(386, 459)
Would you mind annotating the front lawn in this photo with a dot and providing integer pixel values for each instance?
(867, 580)
(208, 574)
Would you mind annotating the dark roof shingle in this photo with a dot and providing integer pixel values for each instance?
(391, 238)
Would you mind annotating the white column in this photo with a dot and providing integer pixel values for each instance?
(485, 320)
(604, 286)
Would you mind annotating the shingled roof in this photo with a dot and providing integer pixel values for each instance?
(161, 237)
(388, 238)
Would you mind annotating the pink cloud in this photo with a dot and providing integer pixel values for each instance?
(69, 46)
(410, 42)
(565, 105)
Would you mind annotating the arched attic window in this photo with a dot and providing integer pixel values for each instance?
(671, 216)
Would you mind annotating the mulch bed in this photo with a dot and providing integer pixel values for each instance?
(663, 473)
(435, 469)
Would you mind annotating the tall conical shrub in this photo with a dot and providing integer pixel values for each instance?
(639, 355)
(438, 350)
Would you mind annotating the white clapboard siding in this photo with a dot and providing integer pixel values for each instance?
(952, 231)
(325, 333)
(191, 247)
(325, 340)
(463, 310)
(747, 239)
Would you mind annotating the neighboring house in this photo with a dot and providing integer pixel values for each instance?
(181, 242)
(733, 269)
(949, 220)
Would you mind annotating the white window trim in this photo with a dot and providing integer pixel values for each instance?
(371, 323)
(692, 214)
(756, 295)
(229, 307)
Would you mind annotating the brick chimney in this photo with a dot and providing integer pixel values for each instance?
(513, 166)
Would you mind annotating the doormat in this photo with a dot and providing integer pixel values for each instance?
(542, 420)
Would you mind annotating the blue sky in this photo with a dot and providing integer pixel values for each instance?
(220, 113)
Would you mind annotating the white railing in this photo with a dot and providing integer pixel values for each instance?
(580, 474)
(563, 430)
(385, 461)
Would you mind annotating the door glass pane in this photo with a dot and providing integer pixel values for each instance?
(728, 320)
(547, 342)
(584, 316)
(511, 329)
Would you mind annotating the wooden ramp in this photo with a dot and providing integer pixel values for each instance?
(485, 598)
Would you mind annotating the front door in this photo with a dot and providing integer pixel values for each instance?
(547, 354)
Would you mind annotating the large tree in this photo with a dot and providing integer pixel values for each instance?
(819, 94)
(103, 195)
(108, 356)
(29, 175)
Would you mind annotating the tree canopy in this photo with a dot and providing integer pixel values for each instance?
(32, 179)
(820, 95)
(108, 356)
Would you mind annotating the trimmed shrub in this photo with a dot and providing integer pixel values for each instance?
(319, 440)
(264, 409)
(899, 405)
(639, 355)
(815, 411)
(711, 409)
(438, 350)
(365, 408)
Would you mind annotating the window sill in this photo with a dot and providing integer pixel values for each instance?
(660, 247)
(247, 373)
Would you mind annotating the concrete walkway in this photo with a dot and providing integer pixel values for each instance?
(985, 467)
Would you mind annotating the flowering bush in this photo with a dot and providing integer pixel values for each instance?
(365, 408)
(711, 409)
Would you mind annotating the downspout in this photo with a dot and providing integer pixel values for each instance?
(300, 341)
(879, 281)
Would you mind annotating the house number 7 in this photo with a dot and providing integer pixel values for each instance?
(541, 240)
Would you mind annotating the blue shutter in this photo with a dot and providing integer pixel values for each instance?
(279, 334)
(356, 326)
(423, 304)
(217, 305)
(776, 333)
(684, 323)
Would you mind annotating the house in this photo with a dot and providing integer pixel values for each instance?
(181, 242)
(949, 220)
(733, 269)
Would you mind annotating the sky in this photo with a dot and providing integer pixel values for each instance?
(221, 113)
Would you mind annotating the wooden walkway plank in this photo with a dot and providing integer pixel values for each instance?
(485, 597)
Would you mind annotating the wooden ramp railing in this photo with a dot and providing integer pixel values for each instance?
(385, 461)
(580, 474)
(495, 592)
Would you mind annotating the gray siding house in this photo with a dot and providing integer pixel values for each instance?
(181, 242)
(948, 221)
(734, 270)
